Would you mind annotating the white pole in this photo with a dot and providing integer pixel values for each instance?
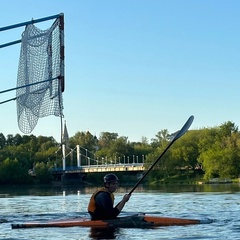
(64, 156)
(78, 157)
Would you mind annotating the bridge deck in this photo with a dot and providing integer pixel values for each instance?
(103, 168)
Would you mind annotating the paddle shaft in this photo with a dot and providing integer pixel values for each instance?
(178, 135)
(150, 168)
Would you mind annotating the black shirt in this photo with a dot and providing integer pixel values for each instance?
(104, 207)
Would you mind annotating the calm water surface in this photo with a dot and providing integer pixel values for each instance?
(220, 203)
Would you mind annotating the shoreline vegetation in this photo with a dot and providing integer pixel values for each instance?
(207, 155)
(97, 182)
(76, 183)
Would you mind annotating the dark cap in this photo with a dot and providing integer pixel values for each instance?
(110, 178)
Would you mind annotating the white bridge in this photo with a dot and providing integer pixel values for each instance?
(88, 164)
(137, 167)
(107, 168)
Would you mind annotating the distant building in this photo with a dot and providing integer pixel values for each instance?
(65, 136)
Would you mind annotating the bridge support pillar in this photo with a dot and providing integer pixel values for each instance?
(64, 157)
(78, 157)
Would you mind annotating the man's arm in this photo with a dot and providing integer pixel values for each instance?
(121, 204)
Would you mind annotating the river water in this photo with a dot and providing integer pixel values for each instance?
(221, 203)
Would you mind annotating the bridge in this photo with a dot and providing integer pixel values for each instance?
(133, 167)
(88, 163)
(83, 171)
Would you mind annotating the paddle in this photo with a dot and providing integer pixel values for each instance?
(174, 136)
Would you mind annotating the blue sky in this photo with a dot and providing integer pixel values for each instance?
(134, 67)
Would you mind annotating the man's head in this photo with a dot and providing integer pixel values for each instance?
(111, 182)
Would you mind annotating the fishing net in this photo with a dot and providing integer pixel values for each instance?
(39, 80)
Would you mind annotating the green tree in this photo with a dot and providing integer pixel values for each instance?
(185, 150)
(119, 148)
(106, 138)
(2, 141)
(141, 150)
(85, 140)
(221, 159)
(160, 138)
(12, 172)
(227, 128)
(10, 140)
(43, 173)
(163, 168)
(113, 149)
(17, 140)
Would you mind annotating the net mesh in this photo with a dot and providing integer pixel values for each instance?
(38, 82)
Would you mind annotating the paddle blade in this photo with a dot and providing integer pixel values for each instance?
(184, 129)
(173, 137)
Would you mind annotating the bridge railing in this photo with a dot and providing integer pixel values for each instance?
(101, 168)
(87, 158)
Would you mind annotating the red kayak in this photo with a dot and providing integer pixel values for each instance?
(135, 221)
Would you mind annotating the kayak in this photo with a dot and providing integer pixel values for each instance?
(134, 221)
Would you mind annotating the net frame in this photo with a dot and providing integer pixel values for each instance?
(59, 19)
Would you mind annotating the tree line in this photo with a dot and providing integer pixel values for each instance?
(208, 152)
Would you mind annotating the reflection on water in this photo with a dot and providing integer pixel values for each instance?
(219, 202)
(195, 188)
(103, 233)
(66, 190)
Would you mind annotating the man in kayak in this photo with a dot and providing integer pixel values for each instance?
(101, 205)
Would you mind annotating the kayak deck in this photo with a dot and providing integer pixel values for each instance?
(135, 221)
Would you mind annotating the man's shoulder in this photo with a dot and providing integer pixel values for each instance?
(102, 193)
(102, 198)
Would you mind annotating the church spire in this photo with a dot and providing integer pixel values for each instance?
(65, 137)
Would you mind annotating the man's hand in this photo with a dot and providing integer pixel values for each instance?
(121, 204)
(126, 197)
